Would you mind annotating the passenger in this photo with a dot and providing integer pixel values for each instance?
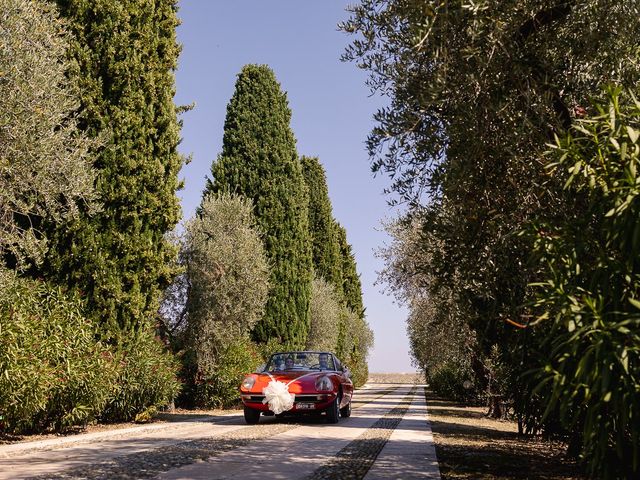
(288, 363)
(278, 364)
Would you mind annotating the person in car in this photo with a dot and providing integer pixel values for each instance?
(288, 363)
(323, 361)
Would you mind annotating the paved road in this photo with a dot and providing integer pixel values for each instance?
(387, 436)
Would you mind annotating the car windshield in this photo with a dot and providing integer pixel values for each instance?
(300, 361)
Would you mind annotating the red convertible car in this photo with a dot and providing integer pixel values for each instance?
(295, 383)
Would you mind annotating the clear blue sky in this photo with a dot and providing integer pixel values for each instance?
(331, 117)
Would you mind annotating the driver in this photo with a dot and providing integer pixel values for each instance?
(288, 363)
(323, 361)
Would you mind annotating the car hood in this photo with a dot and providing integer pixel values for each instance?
(299, 381)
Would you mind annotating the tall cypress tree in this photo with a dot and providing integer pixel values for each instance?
(126, 53)
(355, 338)
(259, 161)
(327, 259)
(351, 285)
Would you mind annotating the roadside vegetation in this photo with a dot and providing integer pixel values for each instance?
(512, 137)
(108, 312)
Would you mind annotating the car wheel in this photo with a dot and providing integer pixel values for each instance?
(251, 415)
(333, 412)
(345, 412)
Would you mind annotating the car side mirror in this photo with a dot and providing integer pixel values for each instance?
(346, 371)
(261, 368)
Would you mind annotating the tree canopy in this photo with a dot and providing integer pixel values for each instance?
(259, 161)
(45, 167)
(227, 273)
(477, 91)
(326, 254)
(125, 54)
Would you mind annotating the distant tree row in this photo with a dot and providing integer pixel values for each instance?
(517, 256)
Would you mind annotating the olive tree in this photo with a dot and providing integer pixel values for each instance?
(325, 309)
(45, 171)
(228, 276)
(476, 90)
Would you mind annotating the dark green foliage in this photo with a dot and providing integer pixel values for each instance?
(147, 379)
(125, 53)
(476, 92)
(259, 161)
(355, 337)
(591, 289)
(219, 389)
(351, 285)
(326, 254)
(53, 374)
(334, 261)
(449, 379)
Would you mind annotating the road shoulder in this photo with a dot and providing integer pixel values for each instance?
(471, 446)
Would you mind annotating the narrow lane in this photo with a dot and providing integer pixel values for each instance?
(312, 451)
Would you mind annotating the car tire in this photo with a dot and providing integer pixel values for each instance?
(251, 415)
(333, 411)
(345, 412)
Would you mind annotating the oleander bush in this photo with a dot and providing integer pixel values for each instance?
(219, 389)
(54, 373)
(589, 295)
(448, 380)
(147, 379)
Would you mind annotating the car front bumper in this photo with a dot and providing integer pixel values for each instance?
(303, 403)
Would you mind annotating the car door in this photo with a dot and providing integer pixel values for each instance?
(345, 380)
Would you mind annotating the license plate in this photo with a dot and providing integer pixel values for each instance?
(305, 406)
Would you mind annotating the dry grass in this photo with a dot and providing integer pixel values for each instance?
(472, 446)
(410, 378)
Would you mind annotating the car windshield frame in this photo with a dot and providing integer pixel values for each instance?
(302, 361)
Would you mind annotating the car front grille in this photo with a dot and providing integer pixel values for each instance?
(310, 398)
(299, 398)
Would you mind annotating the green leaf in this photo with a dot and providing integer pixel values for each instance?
(615, 143)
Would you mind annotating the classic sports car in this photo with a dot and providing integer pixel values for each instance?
(298, 382)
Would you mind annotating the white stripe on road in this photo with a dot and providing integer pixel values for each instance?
(410, 452)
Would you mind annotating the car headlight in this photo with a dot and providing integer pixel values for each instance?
(248, 382)
(324, 384)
